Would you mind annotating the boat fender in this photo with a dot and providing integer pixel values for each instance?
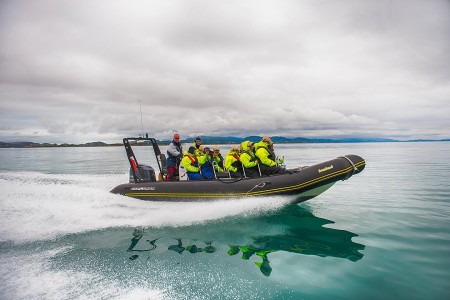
(133, 164)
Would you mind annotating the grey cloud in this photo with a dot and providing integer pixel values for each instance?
(70, 69)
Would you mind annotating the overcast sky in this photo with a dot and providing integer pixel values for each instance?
(74, 71)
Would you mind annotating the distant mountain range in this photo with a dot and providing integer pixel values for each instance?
(39, 145)
(211, 140)
(284, 140)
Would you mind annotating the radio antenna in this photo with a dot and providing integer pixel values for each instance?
(142, 124)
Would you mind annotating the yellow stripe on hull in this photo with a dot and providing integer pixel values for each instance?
(246, 194)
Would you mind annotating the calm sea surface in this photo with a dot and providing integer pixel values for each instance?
(383, 234)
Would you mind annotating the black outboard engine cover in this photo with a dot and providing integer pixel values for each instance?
(146, 172)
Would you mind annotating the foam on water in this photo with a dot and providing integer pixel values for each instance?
(37, 206)
(31, 270)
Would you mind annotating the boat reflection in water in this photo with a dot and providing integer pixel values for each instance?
(292, 229)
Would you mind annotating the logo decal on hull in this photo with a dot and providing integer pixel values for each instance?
(325, 169)
(143, 188)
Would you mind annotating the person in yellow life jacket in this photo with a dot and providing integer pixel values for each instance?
(249, 159)
(266, 156)
(190, 163)
(197, 144)
(218, 159)
(233, 163)
(200, 151)
(206, 163)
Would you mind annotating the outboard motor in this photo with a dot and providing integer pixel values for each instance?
(147, 173)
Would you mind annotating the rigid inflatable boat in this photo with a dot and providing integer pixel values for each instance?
(303, 183)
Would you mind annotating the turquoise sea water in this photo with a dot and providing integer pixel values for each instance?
(382, 234)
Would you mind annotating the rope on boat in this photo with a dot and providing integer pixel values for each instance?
(237, 179)
(353, 165)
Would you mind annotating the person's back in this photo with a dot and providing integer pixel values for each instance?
(249, 160)
(264, 153)
(267, 157)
